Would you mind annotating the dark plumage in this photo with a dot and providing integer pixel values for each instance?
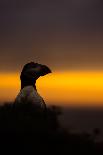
(31, 72)
(28, 93)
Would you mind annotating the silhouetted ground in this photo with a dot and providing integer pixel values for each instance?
(26, 129)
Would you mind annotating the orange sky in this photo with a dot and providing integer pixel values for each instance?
(68, 88)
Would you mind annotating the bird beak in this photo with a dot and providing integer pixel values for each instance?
(45, 70)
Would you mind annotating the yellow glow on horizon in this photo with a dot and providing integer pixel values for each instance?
(70, 87)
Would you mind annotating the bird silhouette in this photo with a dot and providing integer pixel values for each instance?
(28, 93)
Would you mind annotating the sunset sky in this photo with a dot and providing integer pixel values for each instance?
(66, 35)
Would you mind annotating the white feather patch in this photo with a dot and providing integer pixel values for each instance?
(29, 95)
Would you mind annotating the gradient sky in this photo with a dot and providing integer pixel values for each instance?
(67, 35)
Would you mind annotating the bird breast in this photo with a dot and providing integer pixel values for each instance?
(29, 95)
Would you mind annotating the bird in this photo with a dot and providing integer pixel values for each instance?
(28, 92)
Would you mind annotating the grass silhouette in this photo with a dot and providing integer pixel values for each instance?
(25, 128)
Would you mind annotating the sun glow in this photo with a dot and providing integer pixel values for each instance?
(70, 87)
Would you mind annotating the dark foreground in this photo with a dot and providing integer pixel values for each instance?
(27, 129)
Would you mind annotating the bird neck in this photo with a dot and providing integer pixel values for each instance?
(25, 83)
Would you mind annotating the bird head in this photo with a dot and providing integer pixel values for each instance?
(32, 71)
